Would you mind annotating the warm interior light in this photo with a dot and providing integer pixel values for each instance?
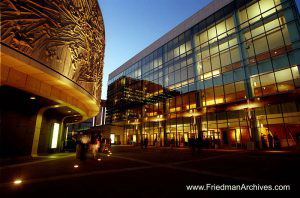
(186, 137)
(32, 98)
(210, 74)
(55, 135)
(99, 159)
(18, 181)
(108, 155)
(69, 111)
(211, 102)
(112, 138)
(76, 166)
(67, 133)
(238, 135)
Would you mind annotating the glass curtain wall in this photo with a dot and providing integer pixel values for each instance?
(246, 52)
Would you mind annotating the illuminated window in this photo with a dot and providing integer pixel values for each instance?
(112, 138)
(134, 138)
(55, 135)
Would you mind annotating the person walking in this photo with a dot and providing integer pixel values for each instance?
(83, 151)
(193, 144)
(78, 149)
(142, 143)
(199, 144)
(146, 143)
(263, 141)
(270, 139)
(154, 142)
(276, 141)
(172, 143)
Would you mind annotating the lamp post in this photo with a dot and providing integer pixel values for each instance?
(159, 120)
(252, 129)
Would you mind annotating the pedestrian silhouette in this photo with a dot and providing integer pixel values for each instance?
(146, 143)
(270, 139)
(199, 143)
(263, 141)
(193, 144)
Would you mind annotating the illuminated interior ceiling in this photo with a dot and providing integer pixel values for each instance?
(19, 98)
(54, 49)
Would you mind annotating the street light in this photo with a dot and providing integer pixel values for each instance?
(18, 181)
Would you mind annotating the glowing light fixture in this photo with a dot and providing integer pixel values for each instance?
(55, 135)
(76, 166)
(69, 111)
(18, 181)
(32, 98)
(67, 131)
(112, 137)
(99, 159)
(108, 155)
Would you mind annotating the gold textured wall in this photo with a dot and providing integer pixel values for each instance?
(65, 35)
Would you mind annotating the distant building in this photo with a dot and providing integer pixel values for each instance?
(100, 118)
(229, 74)
(93, 123)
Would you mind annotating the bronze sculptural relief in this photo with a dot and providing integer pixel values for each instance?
(65, 35)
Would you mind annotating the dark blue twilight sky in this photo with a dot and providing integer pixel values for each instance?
(132, 25)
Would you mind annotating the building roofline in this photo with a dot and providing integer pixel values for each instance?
(202, 14)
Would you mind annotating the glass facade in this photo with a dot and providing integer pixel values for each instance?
(232, 79)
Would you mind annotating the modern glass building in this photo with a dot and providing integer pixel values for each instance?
(228, 74)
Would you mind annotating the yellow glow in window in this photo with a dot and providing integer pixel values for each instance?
(55, 135)
(112, 138)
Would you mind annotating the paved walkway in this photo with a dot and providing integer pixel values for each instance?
(149, 172)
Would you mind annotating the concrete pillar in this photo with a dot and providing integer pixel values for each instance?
(37, 130)
(255, 138)
(141, 134)
(165, 124)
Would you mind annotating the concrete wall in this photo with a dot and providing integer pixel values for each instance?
(49, 118)
(19, 121)
(17, 125)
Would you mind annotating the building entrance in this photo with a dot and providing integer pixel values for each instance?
(210, 138)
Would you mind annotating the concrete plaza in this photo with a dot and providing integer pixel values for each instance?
(153, 172)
